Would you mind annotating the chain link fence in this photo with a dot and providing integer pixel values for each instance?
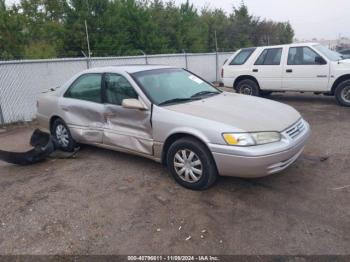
(22, 81)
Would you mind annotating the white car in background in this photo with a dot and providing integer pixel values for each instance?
(304, 67)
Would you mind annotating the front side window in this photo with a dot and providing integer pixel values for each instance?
(118, 89)
(164, 86)
(270, 57)
(302, 56)
(242, 56)
(86, 87)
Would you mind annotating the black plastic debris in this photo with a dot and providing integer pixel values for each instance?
(44, 146)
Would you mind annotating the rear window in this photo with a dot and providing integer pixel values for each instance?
(242, 56)
(270, 57)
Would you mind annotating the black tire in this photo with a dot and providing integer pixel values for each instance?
(342, 93)
(265, 93)
(71, 144)
(208, 167)
(248, 87)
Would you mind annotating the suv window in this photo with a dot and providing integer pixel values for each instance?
(86, 87)
(270, 57)
(301, 56)
(242, 56)
(118, 89)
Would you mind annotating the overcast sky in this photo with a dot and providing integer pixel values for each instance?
(310, 18)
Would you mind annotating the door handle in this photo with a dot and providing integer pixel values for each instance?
(255, 70)
(289, 70)
(64, 108)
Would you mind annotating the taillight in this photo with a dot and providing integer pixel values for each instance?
(222, 72)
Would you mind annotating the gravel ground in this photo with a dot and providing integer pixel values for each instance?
(104, 202)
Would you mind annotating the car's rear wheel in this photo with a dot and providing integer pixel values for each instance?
(63, 136)
(191, 164)
(248, 87)
(342, 93)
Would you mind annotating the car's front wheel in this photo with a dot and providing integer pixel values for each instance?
(248, 87)
(62, 135)
(191, 164)
(342, 93)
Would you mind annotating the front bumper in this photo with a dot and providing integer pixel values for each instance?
(260, 161)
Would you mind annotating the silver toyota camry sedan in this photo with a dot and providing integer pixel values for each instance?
(176, 118)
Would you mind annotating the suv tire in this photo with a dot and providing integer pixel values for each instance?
(248, 87)
(342, 93)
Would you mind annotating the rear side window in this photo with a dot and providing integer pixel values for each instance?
(242, 56)
(86, 87)
(270, 57)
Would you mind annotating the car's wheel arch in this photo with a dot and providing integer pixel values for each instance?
(179, 135)
(244, 77)
(339, 80)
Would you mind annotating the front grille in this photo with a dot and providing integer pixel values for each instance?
(294, 131)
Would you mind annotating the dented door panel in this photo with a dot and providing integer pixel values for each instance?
(128, 128)
(85, 119)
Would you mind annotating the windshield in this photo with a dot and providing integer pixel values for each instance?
(331, 55)
(165, 86)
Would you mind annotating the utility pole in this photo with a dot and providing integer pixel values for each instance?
(88, 43)
(217, 57)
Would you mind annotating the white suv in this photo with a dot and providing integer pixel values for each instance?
(306, 67)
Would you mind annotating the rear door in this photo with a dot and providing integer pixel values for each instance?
(83, 110)
(268, 69)
(128, 129)
(303, 72)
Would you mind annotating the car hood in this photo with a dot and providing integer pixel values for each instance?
(251, 114)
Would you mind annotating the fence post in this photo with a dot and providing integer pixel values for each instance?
(88, 62)
(186, 61)
(2, 120)
(217, 65)
(145, 55)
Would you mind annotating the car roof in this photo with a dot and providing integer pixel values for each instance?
(288, 45)
(126, 68)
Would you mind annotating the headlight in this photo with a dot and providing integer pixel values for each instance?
(251, 139)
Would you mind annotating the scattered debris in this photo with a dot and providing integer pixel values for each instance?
(158, 229)
(339, 188)
(202, 236)
(129, 179)
(162, 199)
(180, 228)
(324, 158)
(44, 146)
(220, 241)
(188, 238)
(204, 231)
(123, 188)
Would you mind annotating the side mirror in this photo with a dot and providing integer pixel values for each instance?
(133, 104)
(320, 61)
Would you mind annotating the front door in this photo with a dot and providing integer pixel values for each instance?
(83, 110)
(128, 129)
(303, 73)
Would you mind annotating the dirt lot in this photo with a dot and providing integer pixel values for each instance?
(105, 202)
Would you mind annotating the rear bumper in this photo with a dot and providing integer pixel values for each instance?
(259, 164)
